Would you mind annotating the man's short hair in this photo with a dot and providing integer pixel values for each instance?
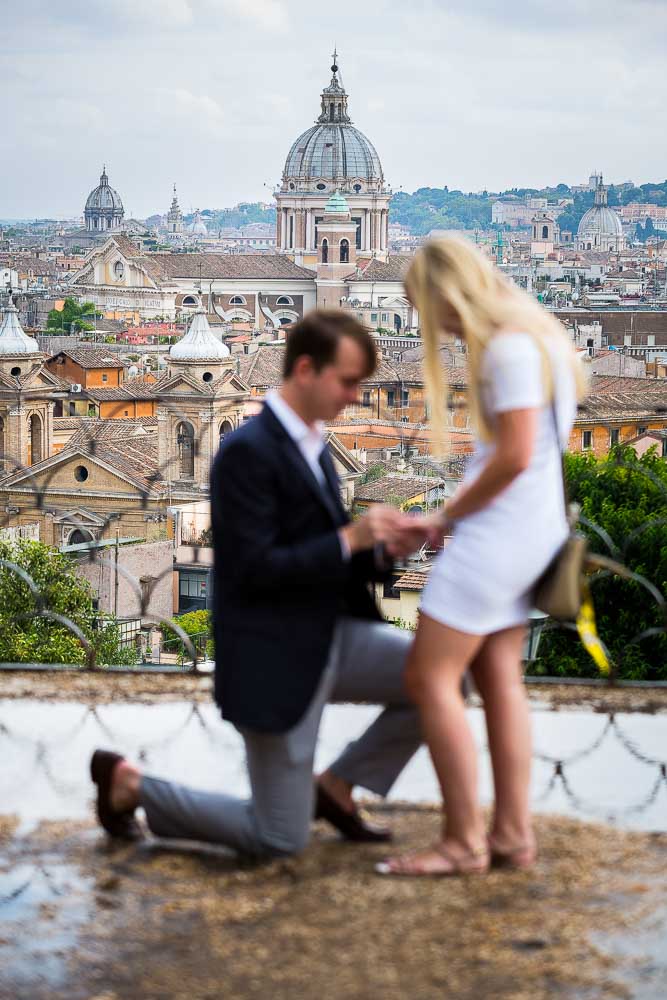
(318, 334)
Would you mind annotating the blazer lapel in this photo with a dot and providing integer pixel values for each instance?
(333, 481)
(293, 454)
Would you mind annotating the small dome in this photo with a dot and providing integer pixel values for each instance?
(104, 196)
(199, 342)
(337, 205)
(197, 227)
(600, 219)
(12, 338)
(600, 227)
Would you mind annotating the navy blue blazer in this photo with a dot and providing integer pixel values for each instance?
(280, 579)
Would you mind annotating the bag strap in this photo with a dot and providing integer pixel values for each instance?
(561, 452)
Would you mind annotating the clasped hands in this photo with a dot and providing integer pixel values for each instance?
(400, 534)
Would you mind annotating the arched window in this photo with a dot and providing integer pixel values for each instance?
(325, 251)
(345, 251)
(79, 536)
(237, 300)
(226, 428)
(545, 232)
(185, 440)
(284, 300)
(189, 300)
(35, 439)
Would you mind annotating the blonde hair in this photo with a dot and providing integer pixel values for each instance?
(452, 271)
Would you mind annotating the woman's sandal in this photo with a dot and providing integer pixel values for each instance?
(521, 858)
(471, 863)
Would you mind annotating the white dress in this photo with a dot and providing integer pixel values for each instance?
(482, 581)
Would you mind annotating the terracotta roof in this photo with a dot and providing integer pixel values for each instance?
(614, 406)
(38, 266)
(90, 357)
(139, 390)
(264, 368)
(626, 383)
(394, 269)
(127, 247)
(412, 372)
(396, 487)
(97, 429)
(228, 266)
(414, 579)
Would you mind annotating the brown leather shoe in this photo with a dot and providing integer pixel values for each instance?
(117, 824)
(353, 826)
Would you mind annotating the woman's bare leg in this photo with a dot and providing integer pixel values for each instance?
(436, 665)
(497, 673)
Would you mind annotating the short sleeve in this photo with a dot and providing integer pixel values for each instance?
(512, 373)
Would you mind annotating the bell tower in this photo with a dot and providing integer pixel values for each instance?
(336, 251)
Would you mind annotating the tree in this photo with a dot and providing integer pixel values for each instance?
(27, 637)
(626, 496)
(73, 316)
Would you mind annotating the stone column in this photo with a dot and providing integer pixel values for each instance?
(204, 450)
(165, 455)
(279, 228)
(300, 235)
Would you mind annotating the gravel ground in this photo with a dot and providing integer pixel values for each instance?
(102, 922)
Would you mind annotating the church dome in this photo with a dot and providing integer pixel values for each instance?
(333, 149)
(104, 208)
(12, 338)
(199, 342)
(600, 227)
(198, 227)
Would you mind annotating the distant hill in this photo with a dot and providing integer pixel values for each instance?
(440, 208)
(240, 215)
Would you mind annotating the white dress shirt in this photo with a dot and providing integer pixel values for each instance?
(309, 440)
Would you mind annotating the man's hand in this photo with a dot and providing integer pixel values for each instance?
(380, 525)
(416, 530)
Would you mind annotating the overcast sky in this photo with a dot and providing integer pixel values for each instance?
(211, 94)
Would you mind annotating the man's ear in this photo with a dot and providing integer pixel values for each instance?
(303, 366)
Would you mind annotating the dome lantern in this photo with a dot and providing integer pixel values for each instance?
(13, 340)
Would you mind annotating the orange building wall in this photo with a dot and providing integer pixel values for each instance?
(116, 409)
(86, 377)
(601, 436)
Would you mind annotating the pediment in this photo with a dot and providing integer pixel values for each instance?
(80, 516)
(232, 386)
(41, 378)
(58, 474)
(182, 384)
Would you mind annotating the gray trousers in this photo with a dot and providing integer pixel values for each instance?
(366, 664)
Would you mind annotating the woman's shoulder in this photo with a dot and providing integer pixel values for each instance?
(511, 342)
(511, 347)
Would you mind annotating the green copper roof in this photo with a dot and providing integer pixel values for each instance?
(336, 205)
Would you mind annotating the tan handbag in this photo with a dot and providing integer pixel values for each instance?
(559, 592)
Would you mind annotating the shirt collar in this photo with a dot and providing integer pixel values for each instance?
(297, 428)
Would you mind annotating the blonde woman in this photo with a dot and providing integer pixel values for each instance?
(508, 520)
